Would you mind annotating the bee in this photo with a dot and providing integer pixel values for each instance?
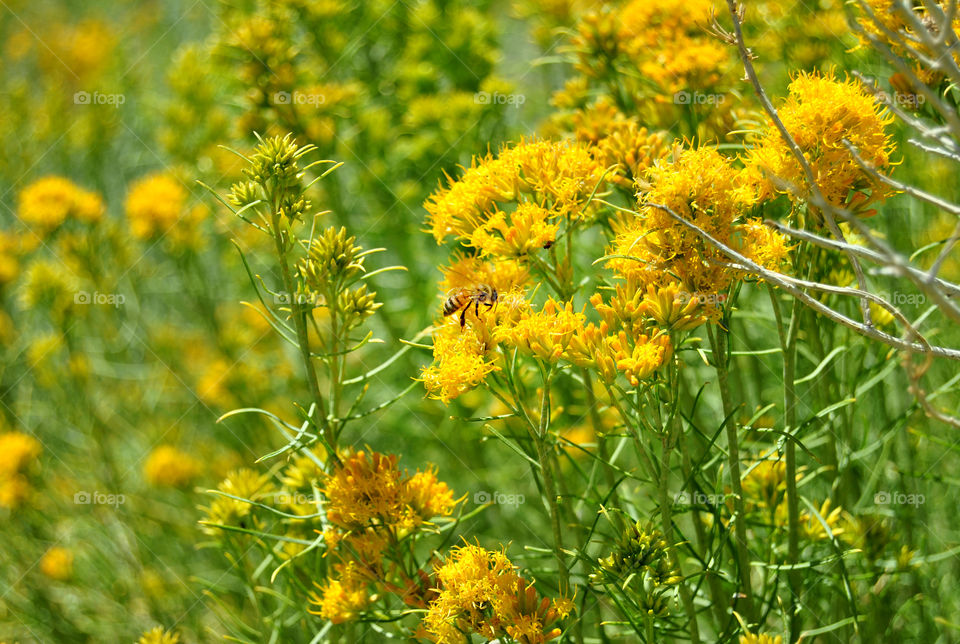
(460, 299)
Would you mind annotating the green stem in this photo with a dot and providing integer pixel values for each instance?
(788, 343)
(298, 314)
(549, 484)
(669, 433)
(718, 341)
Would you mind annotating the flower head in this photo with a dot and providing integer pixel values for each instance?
(154, 205)
(821, 113)
(57, 563)
(167, 466)
(158, 635)
(48, 202)
(481, 592)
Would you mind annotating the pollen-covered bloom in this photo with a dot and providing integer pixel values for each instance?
(371, 505)
(702, 187)
(618, 140)
(342, 598)
(154, 205)
(559, 176)
(48, 202)
(369, 490)
(820, 113)
(763, 244)
(527, 229)
(480, 591)
(545, 333)
(460, 361)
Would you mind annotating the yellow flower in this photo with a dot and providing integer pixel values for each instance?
(57, 563)
(559, 176)
(763, 244)
(460, 361)
(765, 483)
(615, 139)
(760, 638)
(546, 333)
(13, 491)
(428, 496)
(469, 271)
(154, 205)
(84, 49)
(820, 113)
(48, 202)
(245, 484)
(9, 264)
(17, 451)
(701, 186)
(812, 529)
(520, 233)
(481, 592)
(167, 466)
(158, 635)
(342, 599)
(368, 489)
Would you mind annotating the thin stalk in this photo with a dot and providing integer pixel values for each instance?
(549, 484)
(718, 342)
(303, 340)
(788, 342)
(669, 434)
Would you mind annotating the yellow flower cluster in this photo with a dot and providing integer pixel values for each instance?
(546, 333)
(820, 113)
(481, 592)
(57, 563)
(760, 638)
(156, 204)
(167, 466)
(764, 490)
(891, 29)
(368, 490)
(243, 483)
(9, 263)
(158, 635)
(654, 249)
(559, 177)
(615, 139)
(17, 452)
(371, 506)
(47, 203)
(461, 361)
(664, 43)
